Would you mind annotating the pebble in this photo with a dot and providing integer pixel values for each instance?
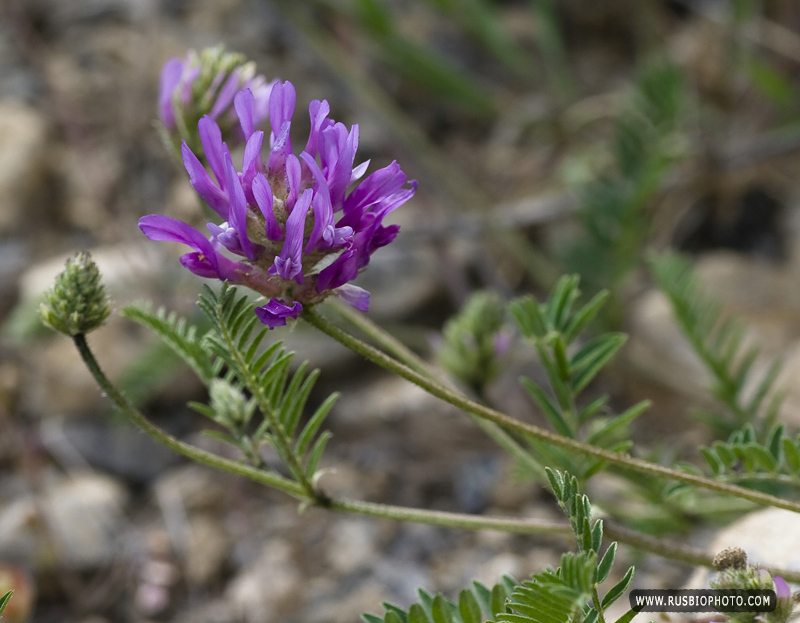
(769, 537)
(81, 513)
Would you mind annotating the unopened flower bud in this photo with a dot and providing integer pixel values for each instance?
(730, 558)
(474, 341)
(205, 84)
(229, 403)
(78, 303)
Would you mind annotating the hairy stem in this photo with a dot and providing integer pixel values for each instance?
(196, 454)
(458, 400)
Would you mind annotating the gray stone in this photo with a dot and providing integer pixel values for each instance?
(257, 592)
(80, 513)
(769, 537)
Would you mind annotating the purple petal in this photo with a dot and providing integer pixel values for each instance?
(281, 105)
(213, 147)
(288, 265)
(202, 183)
(275, 313)
(262, 90)
(238, 208)
(358, 172)
(281, 147)
(206, 262)
(343, 269)
(354, 296)
(337, 153)
(159, 227)
(380, 183)
(263, 196)
(187, 80)
(244, 103)
(293, 180)
(252, 163)
(226, 94)
(170, 77)
(317, 111)
(323, 211)
(782, 589)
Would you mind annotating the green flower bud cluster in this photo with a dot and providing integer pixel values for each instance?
(78, 303)
(734, 572)
(230, 406)
(474, 341)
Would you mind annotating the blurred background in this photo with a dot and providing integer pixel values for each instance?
(548, 136)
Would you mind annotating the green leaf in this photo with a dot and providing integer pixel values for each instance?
(468, 607)
(717, 467)
(560, 353)
(761, 456)
(527, 312)
(791, 455)
(316, 454)
(556, 479)
(176, 333)
(618, 589)
(219, 435)
(627, 617)
(416, 614)
(618, 422)
(606, 563)
(592, 408)
(499, 597)
(550, 411)
(584, 316)
(426, 600)
(4, 600)
(725, 454)
(484, 596)
(441, 610)
(316, 420)
(393, 617)
(590, 359)
(597, 535)
(371, 618)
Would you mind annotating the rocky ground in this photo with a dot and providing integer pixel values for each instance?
(99, 524)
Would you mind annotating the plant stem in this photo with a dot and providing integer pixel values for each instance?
(661, 547)
(458, 400)
(196, 454)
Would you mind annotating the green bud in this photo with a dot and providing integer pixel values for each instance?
(231, 407)
(78, 303)
(474, 341)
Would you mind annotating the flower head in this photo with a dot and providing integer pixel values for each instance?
(289, 227)
(205, 84)
(78, 302)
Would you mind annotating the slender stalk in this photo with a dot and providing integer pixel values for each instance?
(436, 518)
(458, 400)
(451, 520)
(161, 436)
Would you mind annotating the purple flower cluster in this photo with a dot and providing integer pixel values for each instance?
(290, 229)
(206, 83)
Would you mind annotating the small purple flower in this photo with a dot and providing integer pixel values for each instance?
(782, 590)
(275, 313)
(297, 229)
